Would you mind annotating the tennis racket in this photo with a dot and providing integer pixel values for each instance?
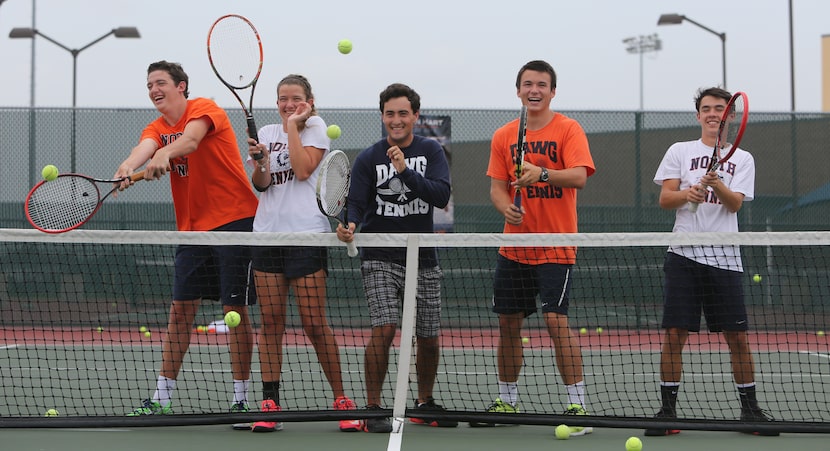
(519, 156)
(69, 201)
(730, 131)
(333, 182)
(235, 54)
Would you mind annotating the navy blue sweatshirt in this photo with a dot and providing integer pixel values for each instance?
(383, 201)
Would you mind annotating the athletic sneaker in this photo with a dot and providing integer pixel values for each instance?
(344, 403)
(241, 407)
(268, 426)
(576, 431)
(758, 415)
(658, 432)
(431, 406)
(150, 407)
(383, 424)
(498, 406)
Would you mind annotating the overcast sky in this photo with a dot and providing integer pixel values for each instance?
(455, 53)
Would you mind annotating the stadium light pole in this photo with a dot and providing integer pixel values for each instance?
(30, 33)
(675, 19)
(640, 45)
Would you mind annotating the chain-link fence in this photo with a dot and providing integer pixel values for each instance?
(792, 180)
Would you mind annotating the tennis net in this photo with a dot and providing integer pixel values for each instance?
(75, 307)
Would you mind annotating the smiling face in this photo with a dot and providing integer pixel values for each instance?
(536, 90)
(399, 121)
(709, 114)
(163, 90)
(288, 97)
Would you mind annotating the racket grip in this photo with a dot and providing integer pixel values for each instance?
(137, 176)
(517, 200)
(693, 207)
(252, 133)
(352, 249)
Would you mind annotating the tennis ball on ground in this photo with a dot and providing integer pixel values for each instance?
(52, 413)
(525, 340)
(49, 172)
(633, 444)
(562, 432)
(599, 330)
(333, 131)
(583, 331)
(344, 46)
(756, 278)
(142, 329)
(232, 319)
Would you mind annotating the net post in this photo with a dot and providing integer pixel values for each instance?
(407, 334)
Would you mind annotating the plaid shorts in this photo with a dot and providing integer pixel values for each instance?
(383, 283)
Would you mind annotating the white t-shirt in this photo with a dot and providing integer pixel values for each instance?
(290, 205)
(688, 161)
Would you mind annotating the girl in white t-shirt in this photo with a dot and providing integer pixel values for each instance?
(286, 162)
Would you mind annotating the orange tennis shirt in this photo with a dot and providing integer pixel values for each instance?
(561, 144)
(210, 186)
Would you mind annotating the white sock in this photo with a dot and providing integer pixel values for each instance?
(164, 390)
(240, 391)
(576, 393)
(509, 392)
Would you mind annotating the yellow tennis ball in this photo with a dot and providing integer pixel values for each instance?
(49, 172)
(756, 278)
(147, 334)
(344, 46)
(599, 330)
(52, 413)
(583, 331)
(201, 329)
(820, 333)
(333, 131)
(562, 432)
(525, 340)
(232, 319)
(633, 444)
(142, 329)
(100, 329)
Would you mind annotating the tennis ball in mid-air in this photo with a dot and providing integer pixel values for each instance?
(147, 334)
(142, 329)
(562, 432)
(100, 329)
(49, 172)
(333, 131)
(633, 444)
(344, 46)
(583, 331)
(232, 319)
(756, 278)
(599, 330)
(525, 340)
(52, 413)
(820, 333)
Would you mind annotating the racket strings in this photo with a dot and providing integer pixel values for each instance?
(335, 186)
(235, 51)
(731, 127)
(63, 203)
